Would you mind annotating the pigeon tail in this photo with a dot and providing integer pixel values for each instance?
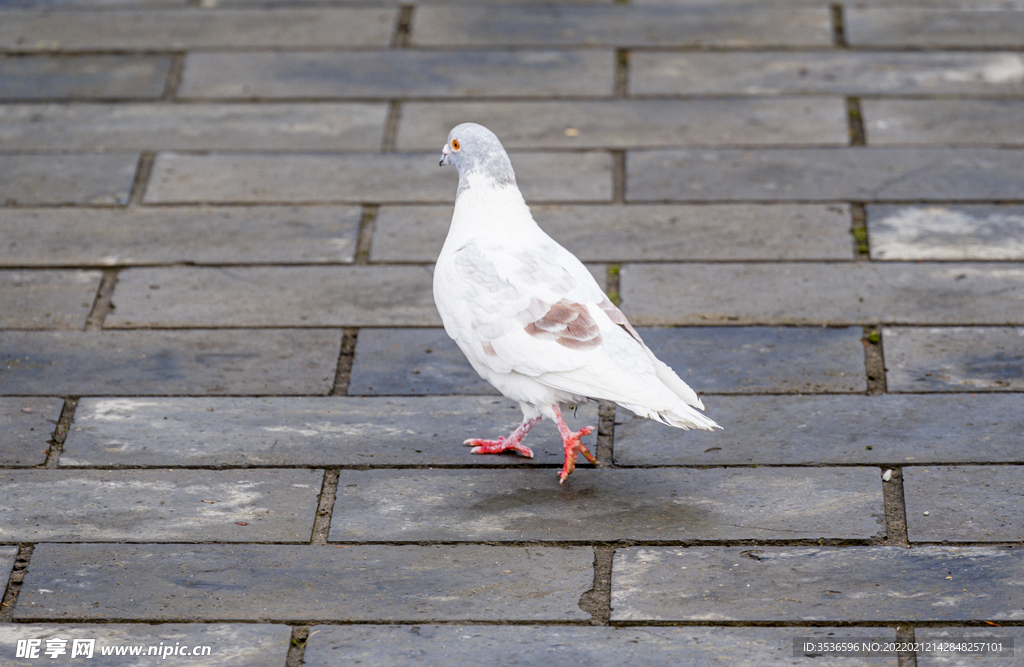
(681, 416)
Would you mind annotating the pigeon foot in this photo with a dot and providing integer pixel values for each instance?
(512, 443)
(573, 446)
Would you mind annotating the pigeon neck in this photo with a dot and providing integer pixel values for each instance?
(489, 209)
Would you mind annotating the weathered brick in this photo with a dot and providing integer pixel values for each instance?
(386, 178)
(946, 232)
(399, 73)
(358, 583)
(632, 123)
(608, 505)
(83, 77)
(964, 503)
(158, 505)
(619, 26)
(824, 174)
(575, 646)
(962, 122)
(643, 232)
(794, 430)
(954, 358)
(196, 235)
(274, 296)
(46, 299)
(195, 28)
(724, 360)
(307, 431)
(834, 294)
(238, 645)
(841, 72)
(26, 425)
(817, 584)
(931, 27)
(66, 179)
(203, 127)
(114, 363)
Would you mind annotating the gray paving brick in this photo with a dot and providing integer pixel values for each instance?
(390, 362)
(938, 232)
(204, 127)
(961, 659)
(274, 296)
(46, 299)
(817, 584)
(26, 425)
(105, 363)
(793, 430)
(232, 178)
(158, 505)
(842, 72)
(7, 557)
(66, 179)
(964, 503)
(934, 27)
(608, 505)
(824, 174)
(83, 77)
(944, 122)
(398, 73)
(643, 232)
(834, 294)
(571, 646)
(309, 431)
(195, 28)
(633, 123)
(358, 583)
(954, 359)
(717, 360)
(196, 235)
(238, 645)
(619, 26)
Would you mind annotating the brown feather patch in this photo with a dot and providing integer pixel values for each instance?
(568, 324)
(616, 316)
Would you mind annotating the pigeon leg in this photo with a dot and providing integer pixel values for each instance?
(572, 444)
(502, 444)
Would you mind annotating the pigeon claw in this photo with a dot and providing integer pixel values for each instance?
(498, 446)
(573, 447)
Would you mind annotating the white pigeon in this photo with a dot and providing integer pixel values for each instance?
(530, 317)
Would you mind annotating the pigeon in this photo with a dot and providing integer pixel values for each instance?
(530, 317)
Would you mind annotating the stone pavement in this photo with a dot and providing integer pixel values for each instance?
(229, 416)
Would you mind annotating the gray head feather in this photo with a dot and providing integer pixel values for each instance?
(473, 148)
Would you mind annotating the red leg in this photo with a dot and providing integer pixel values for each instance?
(512, 442)
(572, 444)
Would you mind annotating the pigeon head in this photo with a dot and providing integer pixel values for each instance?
(474, 149)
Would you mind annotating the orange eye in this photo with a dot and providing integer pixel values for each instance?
(455, 145)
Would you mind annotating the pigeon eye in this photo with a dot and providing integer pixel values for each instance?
(456, 145)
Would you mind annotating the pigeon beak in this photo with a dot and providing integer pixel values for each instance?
(445, 152)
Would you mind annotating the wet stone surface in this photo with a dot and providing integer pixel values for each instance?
(26, 425)
(965, 232)
(274, 296)
(575, 646)
(649, 232)
(794, 430)
(201, 235)
(46, 299)
(824, 294)
(113, 363)
(154, 505)
(954, 359)
(231, 645)
(964, 503)
(817, 583)
(358, 583)
(675, 504)
(310, 431)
